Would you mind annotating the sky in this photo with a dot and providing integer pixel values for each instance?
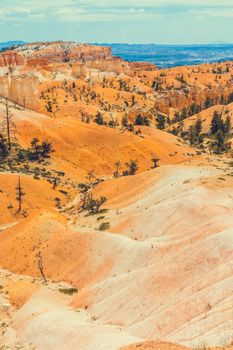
(118, 21)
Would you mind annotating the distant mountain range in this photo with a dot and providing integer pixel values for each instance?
(10, 43)
(166, 56)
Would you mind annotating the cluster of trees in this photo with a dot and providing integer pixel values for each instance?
(219, 131)
(161, 121)
(217, 124)
(157, 85)
(8, 140)
(99, 119)
(113, 123)
(194, 134)
(37, 152)
(223, 100)
(90, 204)
(132, 168)
(142, 121)
(220, 70)
(181, 79)
(186, 112)
(194, 108)
(9, 148)
(218, 135)
(129, 126)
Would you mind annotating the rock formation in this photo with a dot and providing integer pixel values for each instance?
(11, 58)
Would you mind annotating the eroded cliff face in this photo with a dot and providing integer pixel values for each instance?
(22, 90)
(105, 83)
(11, 58)
(27, 66)
(180, 99)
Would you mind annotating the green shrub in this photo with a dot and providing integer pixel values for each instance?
(104, 226)
(69, 291)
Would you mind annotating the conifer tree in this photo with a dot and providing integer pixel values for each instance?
(19, 194)
(227, 125)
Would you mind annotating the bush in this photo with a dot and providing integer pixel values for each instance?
(104, 226)
(69, 291)
(99, 119)
(94, 205)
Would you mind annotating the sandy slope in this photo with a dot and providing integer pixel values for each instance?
(38, 316)
(81, 147)
(163, 271)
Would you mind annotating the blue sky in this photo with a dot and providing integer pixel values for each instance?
(147, 21)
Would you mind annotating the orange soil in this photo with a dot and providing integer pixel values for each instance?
(163, 269)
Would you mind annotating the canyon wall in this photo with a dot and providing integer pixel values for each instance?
(180, 99)
(11, 58)
(22, 90)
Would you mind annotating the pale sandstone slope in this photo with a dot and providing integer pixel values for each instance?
(153, 274)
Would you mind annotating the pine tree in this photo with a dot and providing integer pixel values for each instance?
(19, 194)
(124, 121)
(198, 126)
(160, 122)
(3, 147)
(208, 102)
(49, 107)
(194, 134)
(222, 100)
(216, 123)
(93, 205)
(227, 125)
(146, 121)
(99, 119)
(194, 109)
(230, 98)
(132, 167)
(184, 113)
(46, 149)
(139, 120)
(220, 142)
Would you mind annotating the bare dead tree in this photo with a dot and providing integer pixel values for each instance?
(41, 267)
(90, 176)
(8, 126)
(84, 199)
(24, 103)
(19, 194)
(116, 172)
(155, 162)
